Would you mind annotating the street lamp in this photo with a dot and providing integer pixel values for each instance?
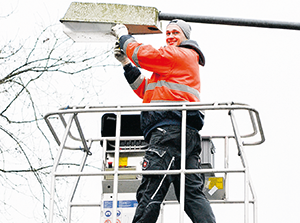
(92, 22)
(86, 22)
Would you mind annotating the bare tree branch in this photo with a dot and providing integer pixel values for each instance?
(22, 69)
(43, 168)
(8, 14)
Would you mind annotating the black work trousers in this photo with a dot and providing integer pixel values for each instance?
(165, 153)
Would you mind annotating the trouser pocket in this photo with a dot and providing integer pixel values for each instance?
(156, 159)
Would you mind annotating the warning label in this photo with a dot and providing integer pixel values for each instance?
(121, 204)
(215, 182)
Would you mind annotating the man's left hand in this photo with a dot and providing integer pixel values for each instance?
(119, 30)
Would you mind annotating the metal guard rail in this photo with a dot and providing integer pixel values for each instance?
(73, 112)
(229, 106)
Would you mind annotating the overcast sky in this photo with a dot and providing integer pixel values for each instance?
(256, 66)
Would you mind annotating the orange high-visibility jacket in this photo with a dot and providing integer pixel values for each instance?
(175, 71)
(175, 78)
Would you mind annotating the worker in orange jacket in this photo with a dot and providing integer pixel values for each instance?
(175, 78)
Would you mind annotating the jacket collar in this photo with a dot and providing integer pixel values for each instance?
(191, 44)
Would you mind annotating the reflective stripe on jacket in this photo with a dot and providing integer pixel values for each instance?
(175, 72)
(175, 78)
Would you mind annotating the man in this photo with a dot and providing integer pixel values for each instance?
(175, 78)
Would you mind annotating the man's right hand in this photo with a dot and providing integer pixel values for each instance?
(120, 55)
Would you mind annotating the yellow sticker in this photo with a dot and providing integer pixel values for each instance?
(123, 161)
(215, 181)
